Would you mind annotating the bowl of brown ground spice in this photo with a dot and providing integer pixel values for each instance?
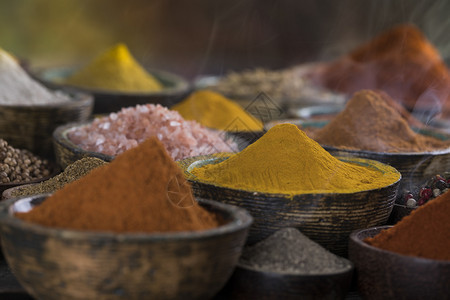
(129, 229)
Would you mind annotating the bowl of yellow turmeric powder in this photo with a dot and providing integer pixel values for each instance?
(117, 80)
(285, 179)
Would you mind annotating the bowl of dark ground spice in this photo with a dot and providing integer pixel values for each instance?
(123, 231)
(285, 179)
(288, 265)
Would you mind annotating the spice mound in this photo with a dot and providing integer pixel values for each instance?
(115, 70)
(288, 251)
(71, 173)
(213, 110)
(369, 123)
(286, 161)
(18, 88)
(142, 190)
(400, 62)
(435, 186)
(19, 165)
(424, 233)
(124, 130)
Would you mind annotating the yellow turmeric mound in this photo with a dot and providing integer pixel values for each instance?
(286, 161)
(213, 110)
(115, 70)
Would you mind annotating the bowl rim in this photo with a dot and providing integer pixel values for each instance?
(281, 274)
(180, 84)
(354, 237)
(77, 98)
(191, 161)
(241, 220)
(311, 123)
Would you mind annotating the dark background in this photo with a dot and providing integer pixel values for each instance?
(194, 37)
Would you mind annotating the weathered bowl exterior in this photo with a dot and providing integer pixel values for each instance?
(399, 212)
(383, 274)
(175, 89)
(67, 152)
(63, 264)
(31, 127)
(328, 219)
(246, 283)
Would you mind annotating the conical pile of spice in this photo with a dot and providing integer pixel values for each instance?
(400, 62)
(369, 123)
(213, 110)
(18, 88)
(424, 233)
(115, 70)
(288, 251)
(20, 165)
(286, 161)
(71, 173)
(142, 190)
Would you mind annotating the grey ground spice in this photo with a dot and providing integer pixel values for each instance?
(72, 172)
(288, 251)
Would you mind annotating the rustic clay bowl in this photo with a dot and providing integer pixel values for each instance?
(327, 219)
(248, 283)
(53, 263)
(31, 127)
(174, 90)
(383, 274)
(399, 212)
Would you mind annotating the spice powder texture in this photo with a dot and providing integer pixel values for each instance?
(369, 123)
(286, 161)
(142, 190)
(215, 111)
(424, 233)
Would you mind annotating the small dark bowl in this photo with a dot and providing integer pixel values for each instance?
(174, 90)
(399, 212)
(31, 127)
(327, 219)
(248, 283)
(54, 263)
(384, 274)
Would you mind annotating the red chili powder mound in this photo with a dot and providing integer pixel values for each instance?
(141, 190)
(369, 123)
(424, 233)
(400, 62)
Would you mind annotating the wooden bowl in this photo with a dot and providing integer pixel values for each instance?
(174, 90)
(327, 219)
(53, 263)
(399, 212)
(31, 127)
(383, 274)
(247, 283)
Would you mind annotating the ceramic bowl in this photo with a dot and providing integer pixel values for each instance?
(53, 263)
(31, 127)
(399, 212)
(174, 90)
(327, 219)
(248, 283)
(383, 274)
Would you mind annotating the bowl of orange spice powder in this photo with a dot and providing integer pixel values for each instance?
(130, 229)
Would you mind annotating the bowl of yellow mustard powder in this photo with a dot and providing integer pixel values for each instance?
(116, 79)
(285, 179)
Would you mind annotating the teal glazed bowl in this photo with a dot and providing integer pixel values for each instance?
(55, 263)
(175, 89)
(327, 218)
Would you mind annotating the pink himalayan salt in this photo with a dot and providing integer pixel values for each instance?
(127, 128)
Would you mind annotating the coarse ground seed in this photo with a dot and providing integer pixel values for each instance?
(288, 251)
(72, 172)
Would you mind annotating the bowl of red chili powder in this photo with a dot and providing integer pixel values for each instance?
(410, 260)
(130, 229)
